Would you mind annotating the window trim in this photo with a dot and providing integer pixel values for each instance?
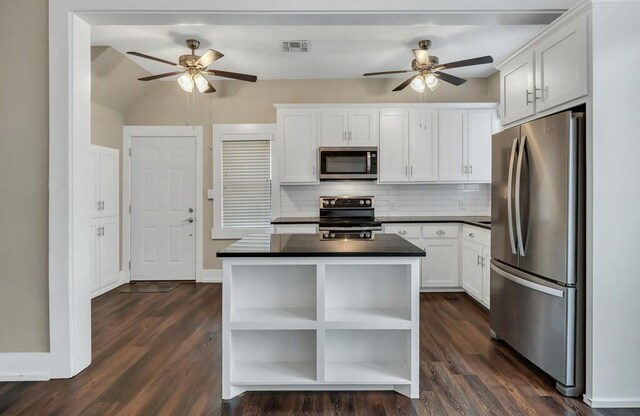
(236, 132)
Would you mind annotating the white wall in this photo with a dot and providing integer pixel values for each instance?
(613, 303)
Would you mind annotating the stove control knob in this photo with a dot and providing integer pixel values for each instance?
(361, 202)
(332, 235)
(368, 202)
(325, 202)
(333, 202)
(362, 235)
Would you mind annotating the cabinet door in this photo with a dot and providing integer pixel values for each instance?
(440, 266)
(452, 136)
(482, 125)
(94, 178)
(295, 229)
(423, 146)
(362, 128)
(334, 127)
(94, 273)
(472, 269)
(486, 277)
(109, 182)
(561, 66)
(298, 136)
(394, 140)
(109, 242)
(517, 90)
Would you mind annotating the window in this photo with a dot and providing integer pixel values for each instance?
(246, 184)
(242, 179)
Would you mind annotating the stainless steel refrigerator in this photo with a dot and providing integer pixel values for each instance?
(537, 244)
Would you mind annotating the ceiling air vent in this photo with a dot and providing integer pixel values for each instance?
(295, 46)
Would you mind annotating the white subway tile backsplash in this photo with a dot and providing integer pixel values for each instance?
(396, 200)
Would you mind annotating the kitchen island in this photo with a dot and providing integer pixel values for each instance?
(303, 313)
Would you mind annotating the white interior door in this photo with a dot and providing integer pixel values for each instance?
(163, 208)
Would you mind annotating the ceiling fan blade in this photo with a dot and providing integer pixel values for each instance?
(208, 58)
(368, 74)
(210, 89)
(450, 78)
(404, 84)
(422, 56)
(153, 58)
(233, 75)
(152, 77)
(467, 62)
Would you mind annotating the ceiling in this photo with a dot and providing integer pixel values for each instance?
(336, 51)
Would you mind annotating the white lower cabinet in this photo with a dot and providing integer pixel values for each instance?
(295, 229)
(476, 254)
(105, 250)
(456, 256)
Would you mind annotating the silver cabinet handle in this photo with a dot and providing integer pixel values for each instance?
(98, 205)
(528, 94)
(535, 96)
(466, 169)
(406, 170)
(523, 143)
(512, 159)
(102, 205)
(470, 169)
(100, 231)
(402, 232)
(477, 260)
(344, 135)
(472, 235)
(411, 171)
(349, 135)
(440, 232)
(314, 170)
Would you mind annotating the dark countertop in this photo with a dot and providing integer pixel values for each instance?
(310, 245)
(470, 220)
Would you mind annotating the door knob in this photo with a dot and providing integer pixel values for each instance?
(190, 219)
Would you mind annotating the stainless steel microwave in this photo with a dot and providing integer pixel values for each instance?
(348, 163)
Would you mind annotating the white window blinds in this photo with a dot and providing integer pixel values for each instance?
(246, 184)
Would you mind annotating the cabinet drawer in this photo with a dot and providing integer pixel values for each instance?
(440, 231)
(295, 229)
(403, 230)
(478, 235)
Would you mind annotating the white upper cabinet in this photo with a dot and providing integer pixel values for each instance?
(550, 72)
(518, 89)
(355, 127)
(561, 66)
(334, 127)
(423, 146)
(482, 124)
(298, 137)
(452, 138)
(394, 139)
(362, 128)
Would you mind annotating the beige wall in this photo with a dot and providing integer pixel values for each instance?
(239, 102)
(24, 164)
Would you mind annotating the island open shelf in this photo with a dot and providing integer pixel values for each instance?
(321, 322)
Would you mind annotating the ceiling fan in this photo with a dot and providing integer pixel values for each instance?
(193, 69)
(429, 69)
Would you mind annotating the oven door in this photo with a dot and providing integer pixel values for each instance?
(348, 163)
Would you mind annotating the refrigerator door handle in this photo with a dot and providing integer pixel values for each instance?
(527, 283)
(523, 142)
(512, 159)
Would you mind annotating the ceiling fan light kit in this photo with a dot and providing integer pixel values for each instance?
(429, 70)
(193, 67)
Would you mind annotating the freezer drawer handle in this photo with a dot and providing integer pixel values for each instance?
(512, 159)
(531, 285)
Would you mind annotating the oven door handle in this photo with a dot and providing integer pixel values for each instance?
(345, 229)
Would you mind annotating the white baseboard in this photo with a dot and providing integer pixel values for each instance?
(210, 276)
(441, 289)
(123, 277)
(606, 403)
(25, 366)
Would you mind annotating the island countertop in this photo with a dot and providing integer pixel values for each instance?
(311, 245)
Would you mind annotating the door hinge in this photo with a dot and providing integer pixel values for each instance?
(129, 152)
(129, 264)
(129, 208)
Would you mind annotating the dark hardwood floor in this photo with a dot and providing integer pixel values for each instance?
(159, 354)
